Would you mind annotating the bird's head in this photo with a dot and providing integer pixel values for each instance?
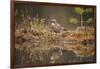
(53, 21)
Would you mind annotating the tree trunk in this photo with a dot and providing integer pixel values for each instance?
(81, 20)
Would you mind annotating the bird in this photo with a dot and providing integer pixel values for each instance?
(56, 27)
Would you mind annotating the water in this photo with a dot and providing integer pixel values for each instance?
(39, 51)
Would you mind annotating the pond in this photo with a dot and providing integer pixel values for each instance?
(45, 51)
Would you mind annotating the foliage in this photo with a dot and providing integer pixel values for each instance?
(73, 21)
(79, 10)
(90, 20)
(89, 10)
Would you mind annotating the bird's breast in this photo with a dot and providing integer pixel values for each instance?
(52, 24)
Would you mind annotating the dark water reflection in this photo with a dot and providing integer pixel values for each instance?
(45, 52)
